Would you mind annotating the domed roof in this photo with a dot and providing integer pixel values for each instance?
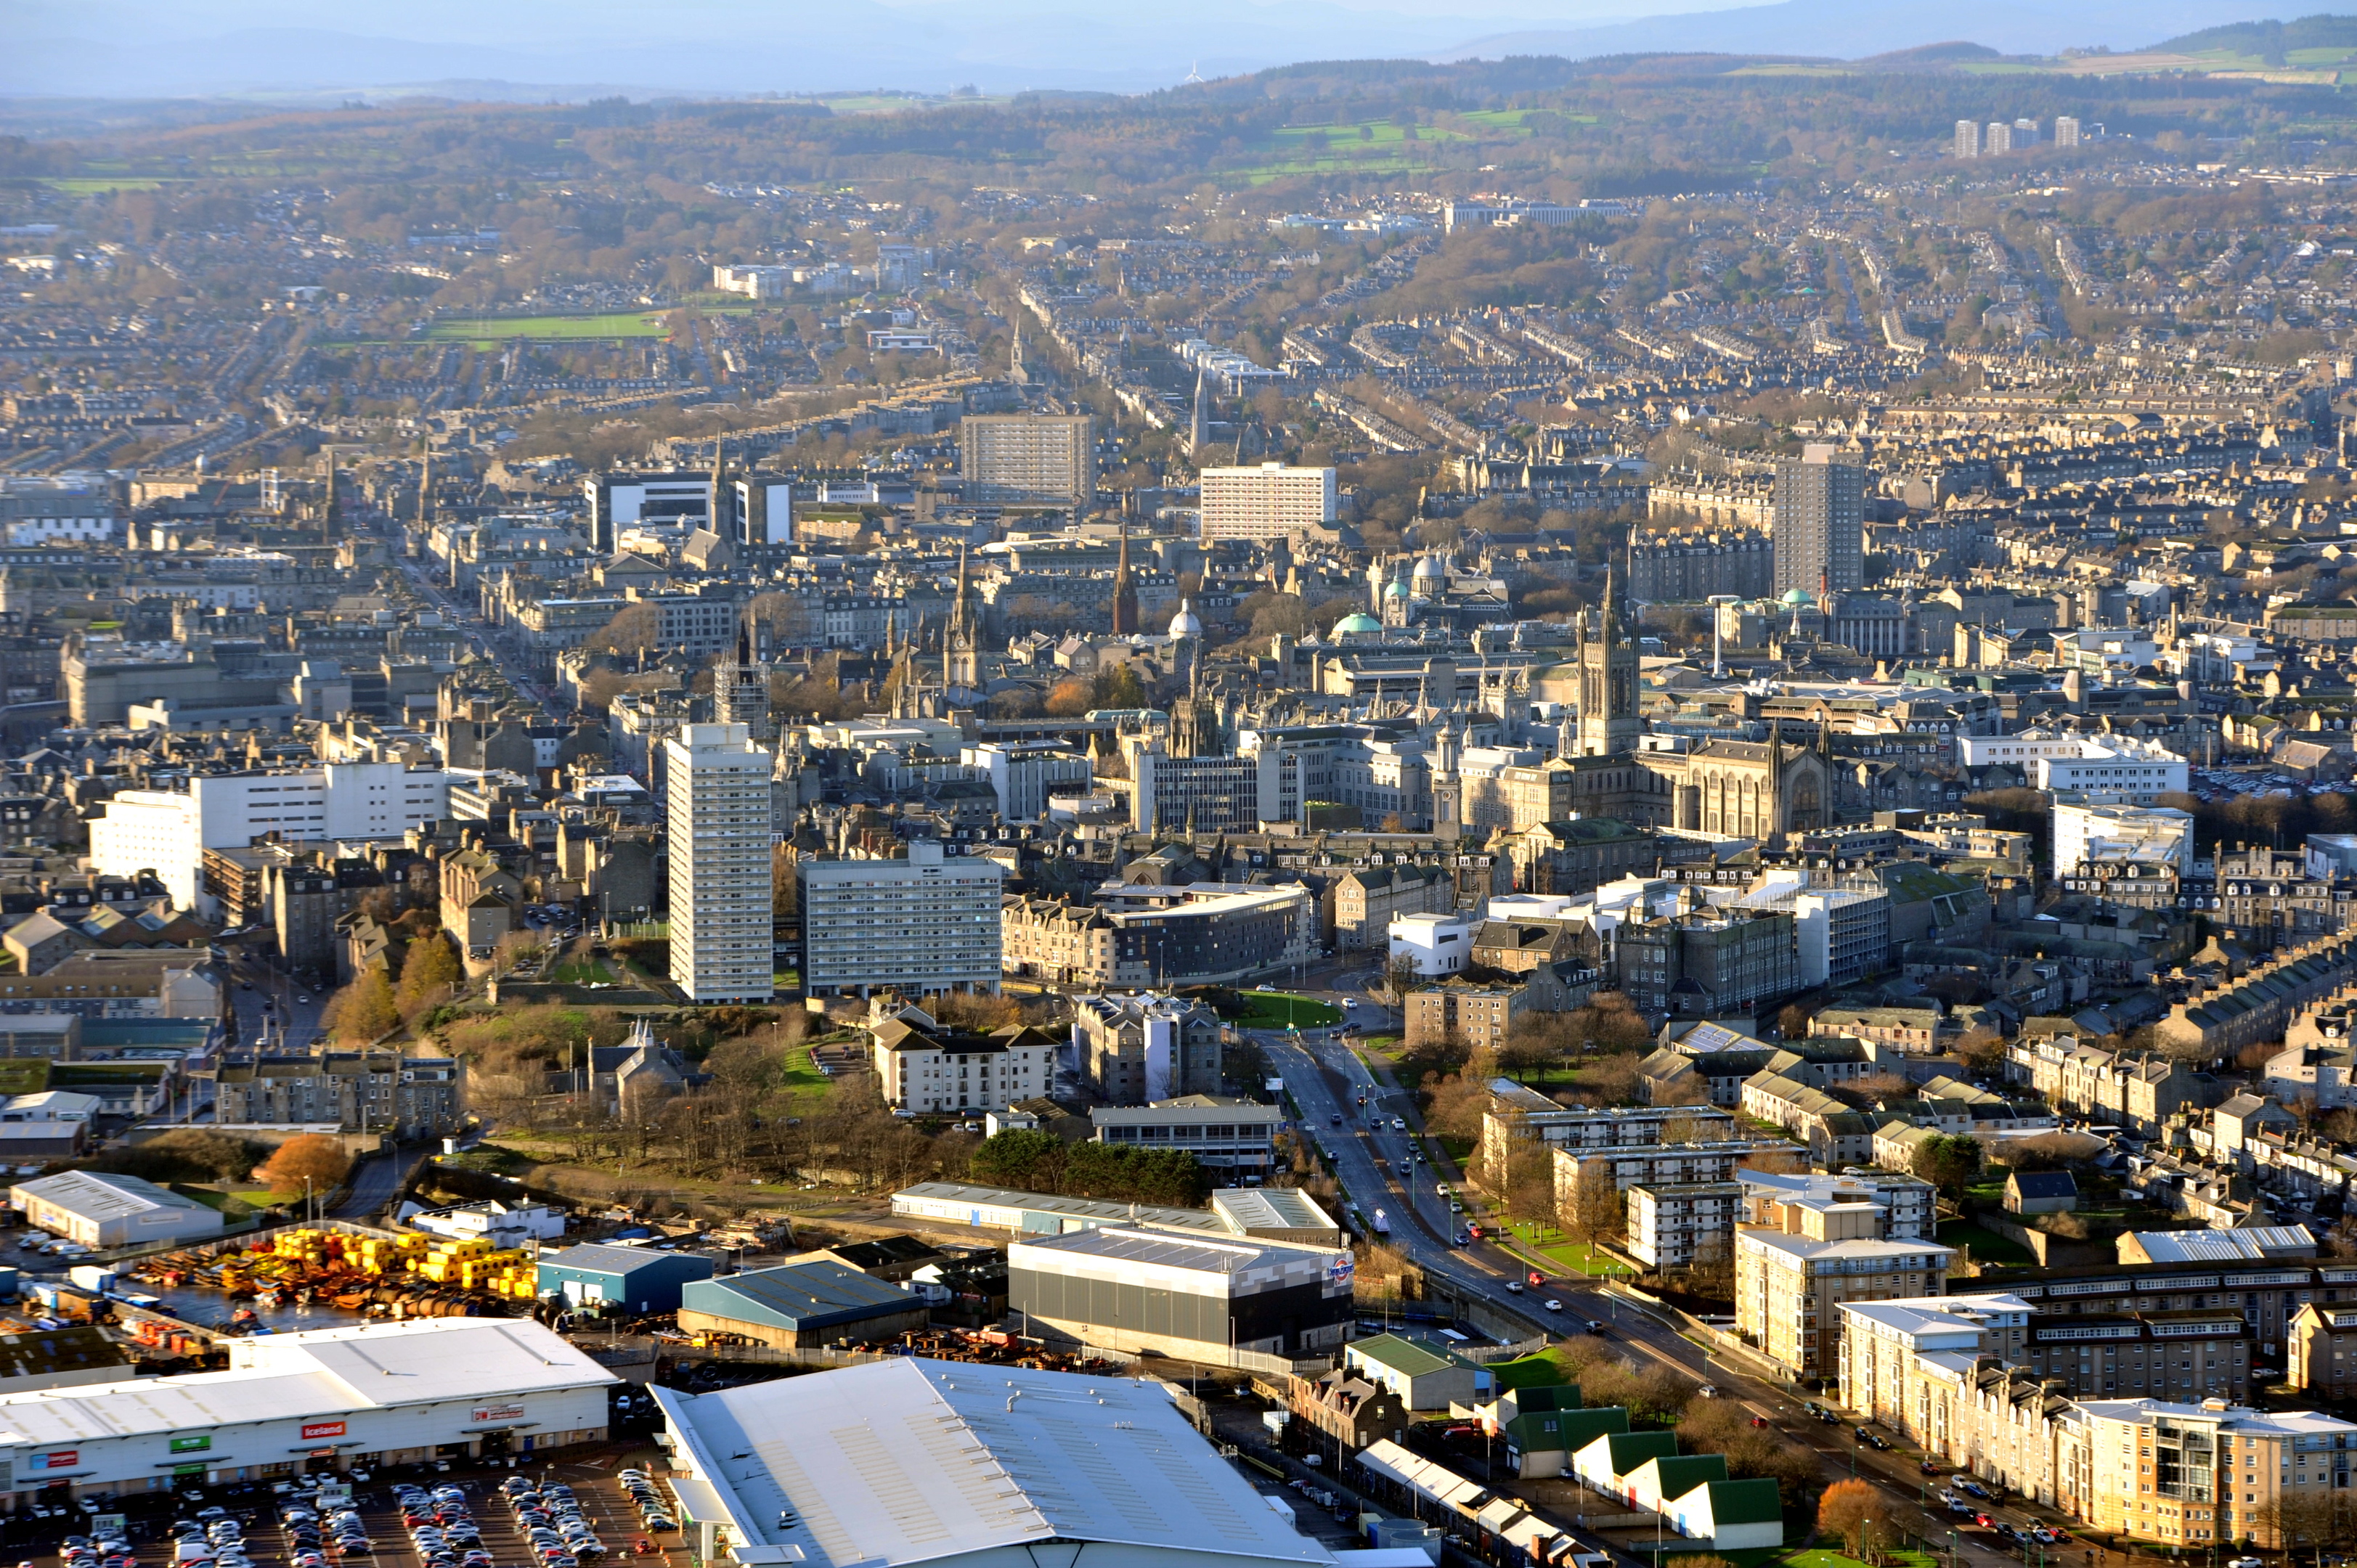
(1796, 596)
(1358, 623)
(1429, 568)
(1396, 591)
(1184, 623)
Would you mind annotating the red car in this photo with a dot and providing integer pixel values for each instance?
(1984, 1521)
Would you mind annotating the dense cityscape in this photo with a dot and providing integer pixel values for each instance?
(1388, 815)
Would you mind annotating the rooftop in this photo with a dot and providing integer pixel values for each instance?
(911, 1461)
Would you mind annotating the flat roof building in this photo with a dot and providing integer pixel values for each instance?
(373, 1394)
(1225, 1301)
(905, 1462)
(634, 1279)
(104, 1211)
(799, 1305)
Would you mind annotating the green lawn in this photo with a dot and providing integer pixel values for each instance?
(228, 1206)
(1572, 1257)
(104, 184)
(1987, 1246)
(803, 1075)
(548, 328)
(1541, 1370)
(583, 972)
(23, 1075)
(1275, 1009)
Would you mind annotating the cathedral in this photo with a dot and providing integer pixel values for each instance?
(1765, 790)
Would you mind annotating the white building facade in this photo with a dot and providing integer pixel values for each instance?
(168, 830)
(1269, 501)
(925, 924)
(721, 904)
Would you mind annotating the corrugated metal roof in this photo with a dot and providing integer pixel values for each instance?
(911, 1461)
(797, 1295)
(322, 1372)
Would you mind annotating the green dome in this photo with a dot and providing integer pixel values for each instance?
(1797, 596)
(1356, 624)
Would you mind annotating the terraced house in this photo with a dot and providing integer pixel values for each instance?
(2261, 1003)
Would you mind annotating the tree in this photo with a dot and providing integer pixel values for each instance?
(1594, 1207)
(1711, 1273)
(1948, 1161)
(1855, 1512)
(364, 1010)
(636, 630)
(1982, 1050)
(1119, 688)
(1024, 1158)
(427, 974)
(1068, 699)
(1400, 977)
(314, 1155)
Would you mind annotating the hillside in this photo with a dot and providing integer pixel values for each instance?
(2271, 41)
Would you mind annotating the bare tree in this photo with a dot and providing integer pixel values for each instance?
(1594, 1209)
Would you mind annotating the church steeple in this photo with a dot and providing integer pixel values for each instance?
(721, 497)
(1124, 591)
(962, 650)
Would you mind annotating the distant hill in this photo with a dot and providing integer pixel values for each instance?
(1931, 56)
(2269, 41)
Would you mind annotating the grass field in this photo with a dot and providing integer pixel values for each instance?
(1275, 1009)
(1572, 1257)
(1540, 1370)
(582, 971)
(24, 1075)
(548, 328)
(100, 184)
(1987, 1246)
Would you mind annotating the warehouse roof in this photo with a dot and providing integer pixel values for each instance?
(91, 1195)
(1171, 1248)
(1412, 1357)
(907, 1461)
(593, 1257)
(797, 1295)
(323, 1371)
(1080, 1209)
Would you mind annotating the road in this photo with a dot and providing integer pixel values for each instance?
(375, 1181)
(502, 646)
(1326, 1076)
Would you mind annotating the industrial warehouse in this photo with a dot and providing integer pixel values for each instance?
(378, 1393)
(1221, 1300)
(909, 1461)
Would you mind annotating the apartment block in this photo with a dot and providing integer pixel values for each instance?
(920, 925)
(1670, 1226)
(1820, 533)
(923, 1066)
(1269, 501)
(2202, 1473)
(1793, 1273)
(1028, 459)
(2323, 1344)
(410, 1097)
(1143, 1049)
(717, 792)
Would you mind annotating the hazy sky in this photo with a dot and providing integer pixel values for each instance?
(129, 48)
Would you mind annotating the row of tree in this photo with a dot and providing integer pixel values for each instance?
(1036, 1161)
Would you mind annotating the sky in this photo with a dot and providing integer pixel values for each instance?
(135, 49)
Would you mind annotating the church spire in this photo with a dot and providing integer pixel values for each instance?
(720, 497)
(1125, 590)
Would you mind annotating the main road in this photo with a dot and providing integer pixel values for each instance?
(1328, 1078)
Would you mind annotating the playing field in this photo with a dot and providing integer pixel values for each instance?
(548, 328)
